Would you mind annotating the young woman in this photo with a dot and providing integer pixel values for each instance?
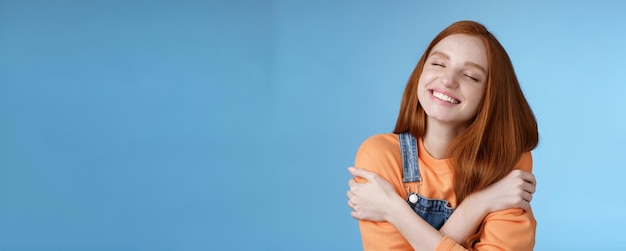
(461, 144)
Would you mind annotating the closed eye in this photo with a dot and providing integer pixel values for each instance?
(437, 64)
(472, 78)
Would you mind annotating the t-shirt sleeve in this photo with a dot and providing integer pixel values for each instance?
(510, 229)
(378, 154)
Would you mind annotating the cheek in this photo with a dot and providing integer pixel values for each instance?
(477, 93)
(420, 87)
(427, 76)
(424, 79)
(475, 97)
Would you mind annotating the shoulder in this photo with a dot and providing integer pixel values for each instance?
(380, 142)
(525, 162)
(381, 154)
(378, 150)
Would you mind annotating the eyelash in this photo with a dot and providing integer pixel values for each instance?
(472, 78)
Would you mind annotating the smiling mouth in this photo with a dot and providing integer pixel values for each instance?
(444, 97)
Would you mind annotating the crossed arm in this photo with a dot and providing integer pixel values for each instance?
(376, 200)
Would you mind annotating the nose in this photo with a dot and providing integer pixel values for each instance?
(449, 80)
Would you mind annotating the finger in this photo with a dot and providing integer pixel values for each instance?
(350, 204)
(526, 196)
(358, 172)
(353, 186)
(525, 205)
(354, 214)
(352, 183)
(529, 187)
(349, 194)
(529, 177)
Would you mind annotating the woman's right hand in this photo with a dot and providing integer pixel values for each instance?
(513, 191)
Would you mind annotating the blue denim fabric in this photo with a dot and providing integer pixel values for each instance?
(410, 168)
(435, 212)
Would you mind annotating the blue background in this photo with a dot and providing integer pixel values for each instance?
(228, 125)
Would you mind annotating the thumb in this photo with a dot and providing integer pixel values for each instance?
(362, 173)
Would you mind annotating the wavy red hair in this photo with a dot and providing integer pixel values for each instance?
(503, 128)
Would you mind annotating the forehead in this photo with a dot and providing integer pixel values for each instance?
(463, 48)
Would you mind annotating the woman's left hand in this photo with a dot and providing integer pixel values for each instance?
(372, 200)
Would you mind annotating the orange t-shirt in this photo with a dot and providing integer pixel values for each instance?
(510, 229)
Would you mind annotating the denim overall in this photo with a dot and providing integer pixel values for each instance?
(435, 212)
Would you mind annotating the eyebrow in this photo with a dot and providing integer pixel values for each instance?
(479, 67)
(441, 54)
(467, 63)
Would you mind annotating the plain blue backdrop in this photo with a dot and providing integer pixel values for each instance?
(228, 125)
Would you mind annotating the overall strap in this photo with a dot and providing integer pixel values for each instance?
(410, 167)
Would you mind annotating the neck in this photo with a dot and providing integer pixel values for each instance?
(438, 137)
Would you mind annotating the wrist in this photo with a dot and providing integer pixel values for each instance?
(395, 209)
(479, 203)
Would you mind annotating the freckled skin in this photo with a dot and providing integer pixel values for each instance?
(451, 69)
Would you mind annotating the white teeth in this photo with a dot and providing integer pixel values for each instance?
(445, 97)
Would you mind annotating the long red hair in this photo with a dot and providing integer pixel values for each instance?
(503, 128)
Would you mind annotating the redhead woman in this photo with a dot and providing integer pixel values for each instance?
(455, 173)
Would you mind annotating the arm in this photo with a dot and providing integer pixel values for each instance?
(509, 229)
(513, 191)
(380, 156)
(376, 200)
